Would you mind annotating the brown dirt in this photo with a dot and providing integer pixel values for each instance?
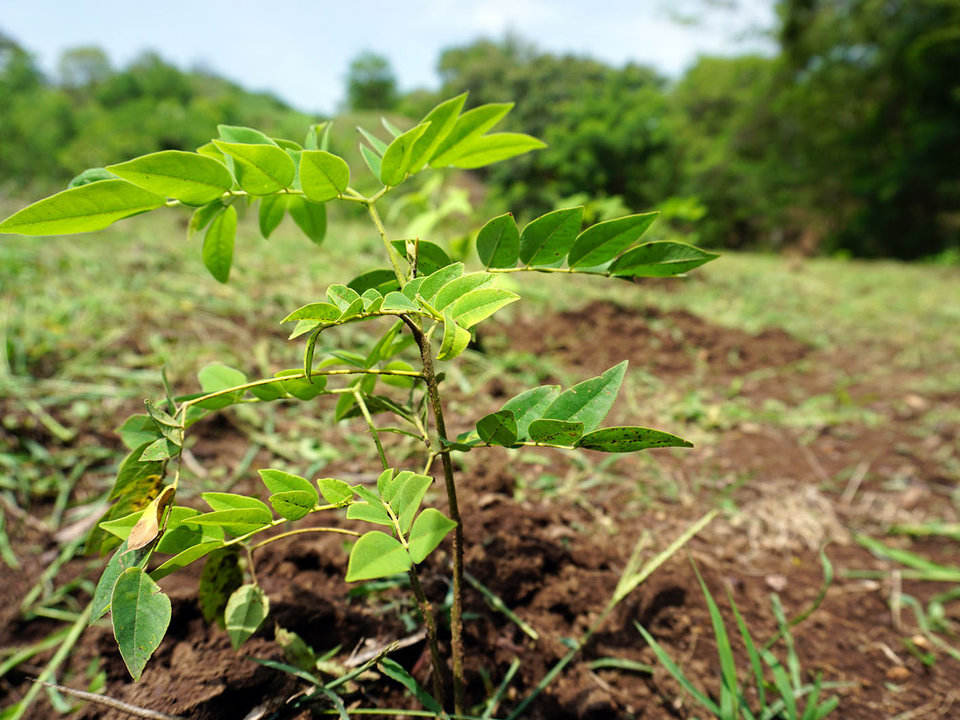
(554, 556)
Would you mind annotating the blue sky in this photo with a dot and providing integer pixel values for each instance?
(300, 49)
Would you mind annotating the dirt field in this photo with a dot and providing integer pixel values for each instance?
(798, 447)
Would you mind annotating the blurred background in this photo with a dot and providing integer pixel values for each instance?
(820, 126)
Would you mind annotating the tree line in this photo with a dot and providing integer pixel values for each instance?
(846, 140)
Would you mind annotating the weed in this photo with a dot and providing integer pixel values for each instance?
(426, 306)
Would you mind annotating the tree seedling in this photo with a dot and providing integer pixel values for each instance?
(429, 305)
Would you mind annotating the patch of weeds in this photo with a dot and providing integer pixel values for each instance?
(787, 696)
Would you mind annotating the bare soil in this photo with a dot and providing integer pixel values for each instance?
(553, 550)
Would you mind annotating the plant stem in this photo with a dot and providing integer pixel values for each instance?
(391, 251)
(302, 531)
(358, 396)
(426, 612)
(456, 610)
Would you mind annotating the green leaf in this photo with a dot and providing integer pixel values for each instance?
(82, 209)
(232, 501)
(677, 673)
(179, 536)
(546, 241)
(629, 439)
(185, 557)
(455, 339)
(430, 256)
(369, 512)
(294, 504)
(220, 577)
(246, 610)
(323, 176)
(383, 280)
(398, 156)
(309, 217)
(90, 175)
(121, 527)
(260, 169)
(141, 615)
(397, 302)
(498, 243)
(478, 305)
(324, 312)
(202, 217)
(137, 430)
(471, 124)
(218, 244)
(386, 483)
(342, 296)
(378, 145)
(376, 555)
(371, 159)
(530, 405)
(300, 387)
(395, 670)
(278, 481)
(122, 559)
(185, 176)
(240, 134)
(488, 149)
(216, 377)
(458, 287)
(335, 492)
(272, 209)
(161, 449)
(433, 282)
(408, 496)
(556, 432)
(499, 428)
(440, 122)
(661, 258)
(238, 521)
(428, 530)
(588, 401)
(136, 485)
(601, 243)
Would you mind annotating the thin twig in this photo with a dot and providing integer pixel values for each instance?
(110, 702)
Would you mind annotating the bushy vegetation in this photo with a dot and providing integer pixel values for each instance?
(847, 140)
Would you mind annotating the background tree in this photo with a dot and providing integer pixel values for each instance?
(371, 84)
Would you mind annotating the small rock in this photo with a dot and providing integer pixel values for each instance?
(898, 673)
(776, 582)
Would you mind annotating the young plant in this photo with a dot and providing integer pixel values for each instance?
(787, 698)
(430, 304)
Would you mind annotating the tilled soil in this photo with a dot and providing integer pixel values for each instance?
(553, 551)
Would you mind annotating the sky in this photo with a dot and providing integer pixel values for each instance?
(300, 49)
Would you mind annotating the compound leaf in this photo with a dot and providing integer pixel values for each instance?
(323, 176)
(246, 610)
(335, 492)
(459, 287)
(376, 555)
(408, 496)
(428, 530)
(237, 521)
(588, 401)
(218, 244)
(185, 176)
(141, 615)
(661, 258)
(436, 280)
(82, 209)
(232, 501)
(629, 439)
(216, 377)
(278, 481)
(601, 243)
